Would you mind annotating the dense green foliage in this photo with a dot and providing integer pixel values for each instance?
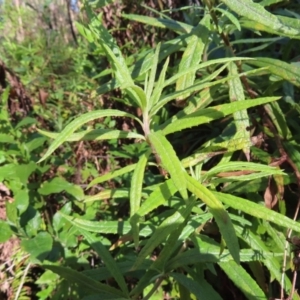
(156, 168)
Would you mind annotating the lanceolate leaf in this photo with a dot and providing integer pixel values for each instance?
(258, 246)
(279, 68)
(158, 197)
(212, 255)
(162, 23)
(109, 261)
(257, 210)
(109, 193)
(151, 81)
(169, 161)
(118, 63)
(78, 122)
(159, 85)
(243, 280)
(241, 119)
(203, 65)
(137, 184)
(230, 16)
(213, 113)
(258, 13)
(88, 284)
(191, 57)
(95, 135)
(257, 26)
(112, 50)
(112, 175)
(220, 214)
(106, 227)
(136, 193)
(162, 231)
(201, 289)
(265, 170)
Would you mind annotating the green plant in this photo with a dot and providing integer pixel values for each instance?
(190, 196)
(207, 192)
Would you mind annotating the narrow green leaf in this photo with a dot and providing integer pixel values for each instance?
(138, 95)
(159, 85)
(272, 263)
(203, 65)
(284, 70)
(201, 289)
(168, 249)
(78, 122)
(109, 261)
(161, 23)
(269, 2)
(213, 113)
(85, 32)
(145, 58)
(113, 52)
(264, 170)
(111, 175)
(198, 86)
(162, 231)
(212, 255)
(170, 161)
(124, 266)
(136, 194)
(257, 210)
(95, 135)
(202, 100)
(151, 81)
(231, 17)
(279, 120)
(243, 280)
(112, 227)
(158, 197)
(118, 63)
(258, 13)
(184, 293)
(191, 57)
(220, 214)
(257, 26)
(202, 154)
(241, 118)
(108, 194)
(88, 284)
(149, 277)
